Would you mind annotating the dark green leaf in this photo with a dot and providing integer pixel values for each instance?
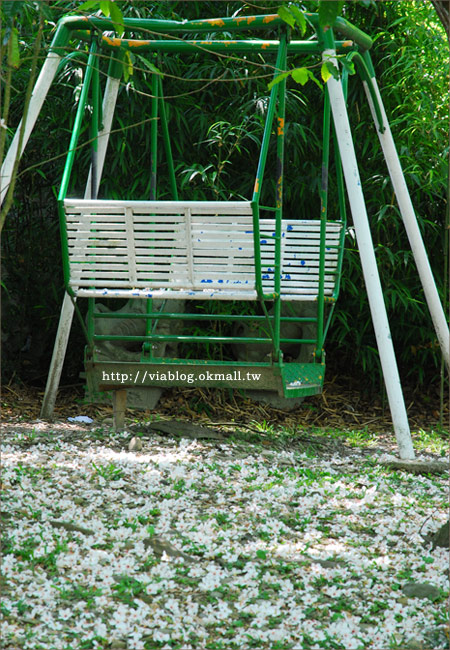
(11, 9)
(286, 15)
(334, 72)
(329, 10)
(349, 66)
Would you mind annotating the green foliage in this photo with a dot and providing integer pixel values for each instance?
(329, 11)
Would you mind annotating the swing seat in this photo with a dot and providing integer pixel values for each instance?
(191, 250)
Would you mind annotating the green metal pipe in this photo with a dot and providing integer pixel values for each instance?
(154, 137)
(268, 125)
(364, 73)
(281, 115)
(195, 317)
(78, 122)
(94, 128)
(216, 46)
(323, 221)
(240, 23)
(196, 339)
(345, 28)
(185, 338)
(60, 39)
(115, 68)
(152, 25)
(167, 144)
(69, 164)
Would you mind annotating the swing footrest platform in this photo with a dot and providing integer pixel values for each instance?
(289, 380)
(192, 250)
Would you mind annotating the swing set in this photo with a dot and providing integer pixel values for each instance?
(170, 254)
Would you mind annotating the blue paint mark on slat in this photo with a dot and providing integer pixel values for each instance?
(266, 276)
(263, 241)
(290, 227)
(249, 232)
(287, 276)
(303, 262)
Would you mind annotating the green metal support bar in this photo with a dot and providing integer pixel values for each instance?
(364, 73)
(70, 160)
(201, 316)
(166, 140)
(154, 137)
(214, 25)
(214, 47)
(94, 128)
(78, 122)
(323, 222)
(280, 126)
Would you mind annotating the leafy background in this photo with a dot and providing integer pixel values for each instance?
(217, 132)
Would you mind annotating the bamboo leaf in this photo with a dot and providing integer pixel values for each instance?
(88, 5)
(104, 6)
(278, 78)
(287, 16)
(329, 11)
(299, 18)
(117, 17)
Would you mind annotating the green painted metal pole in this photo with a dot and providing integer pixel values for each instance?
(280, 125)
(216, 46)
(167, 144)
(323, 223)
(239, 23)
(154, 137)
(261, 167)
(94, 127)
(69, 162)
(78, 122)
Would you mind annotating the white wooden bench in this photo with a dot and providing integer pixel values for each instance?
(191, 250)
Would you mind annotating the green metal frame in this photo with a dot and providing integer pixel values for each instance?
(289, 379)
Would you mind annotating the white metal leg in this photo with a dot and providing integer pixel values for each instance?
(38, 96)
(109, 105)
(369, 265)
(59, 353)
(411, 226)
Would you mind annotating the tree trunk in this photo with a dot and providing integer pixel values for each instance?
(442, 10)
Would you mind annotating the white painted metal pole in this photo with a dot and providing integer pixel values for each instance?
(38, 96)
(369, 265)
(109, 105)
(59, 353)
(68, 307)
(411, 225)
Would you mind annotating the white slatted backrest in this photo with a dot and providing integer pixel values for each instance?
(191, 246)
